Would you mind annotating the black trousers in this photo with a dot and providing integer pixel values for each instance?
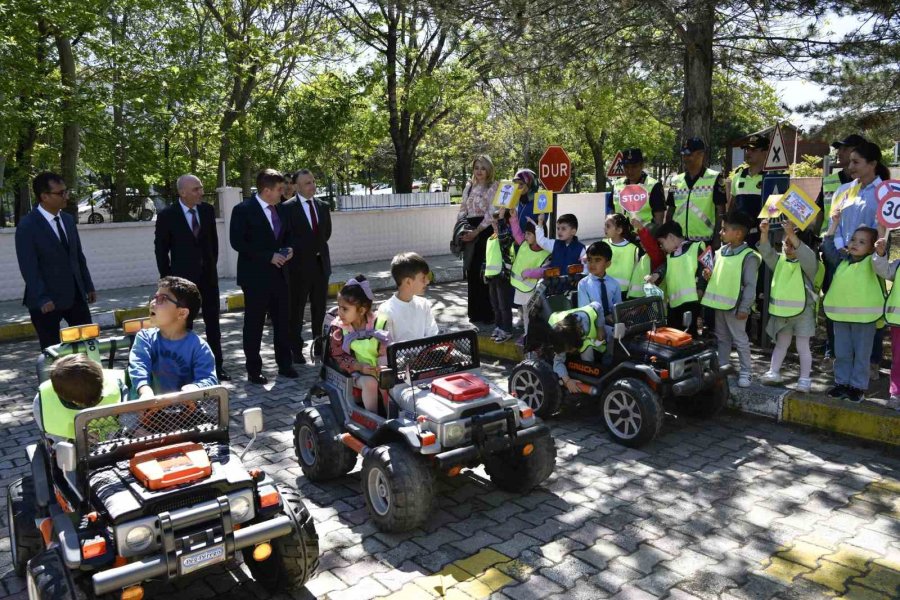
(47, 325)
(209, 294)
(310, 285)
(676, 316)
(257, 304)
(478, 297)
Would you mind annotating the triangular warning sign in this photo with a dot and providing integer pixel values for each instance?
(776, 159)
(615, 169)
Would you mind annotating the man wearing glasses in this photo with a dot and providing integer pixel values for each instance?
(57, 281)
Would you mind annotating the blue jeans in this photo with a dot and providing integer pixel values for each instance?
(852, 349)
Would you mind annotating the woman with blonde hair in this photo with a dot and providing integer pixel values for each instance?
(476, 209)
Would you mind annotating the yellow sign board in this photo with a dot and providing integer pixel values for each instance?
(543, 202)
(797, 206)
(771, 210)
(507, 195)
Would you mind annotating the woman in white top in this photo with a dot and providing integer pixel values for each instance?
(476, 209)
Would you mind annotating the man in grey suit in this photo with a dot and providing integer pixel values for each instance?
(57, 281)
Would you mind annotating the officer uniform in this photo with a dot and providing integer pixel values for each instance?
(694, 198)
(746, 188)
(657, 202)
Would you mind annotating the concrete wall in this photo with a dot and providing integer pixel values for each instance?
(590, 210)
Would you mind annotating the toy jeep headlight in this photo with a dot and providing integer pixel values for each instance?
(241, 508)
(139, 538)
(453, 433)
(677, 368)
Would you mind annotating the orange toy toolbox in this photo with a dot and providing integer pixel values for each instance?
(168, 466)
(667, 336)
(460, 387)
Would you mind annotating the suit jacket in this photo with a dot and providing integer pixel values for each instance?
(181, 254)
(308, 247)
(49, 271)
(255, 242)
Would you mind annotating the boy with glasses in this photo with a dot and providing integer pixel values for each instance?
(170, 356)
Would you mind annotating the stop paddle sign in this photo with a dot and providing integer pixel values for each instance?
(633, 198)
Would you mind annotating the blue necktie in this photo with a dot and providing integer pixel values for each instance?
(604, 299)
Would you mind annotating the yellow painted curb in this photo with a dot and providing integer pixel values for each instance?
(507, 350)
(123, 314)
(234, 301)
(879, 426)
(17, 331)
(334, 288)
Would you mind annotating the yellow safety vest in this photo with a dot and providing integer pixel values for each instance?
(526, 258)
(695, 210)
(624, 260)
(830, 185)
(787, 294)
(589, 340)
(641, 270)
(681, 273)
(59, 420)
(646, 213)
(366, 350)
(724, 288)
(856, 294)
(493, 257)
(892, 305)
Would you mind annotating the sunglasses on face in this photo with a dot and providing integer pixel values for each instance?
(162, 299)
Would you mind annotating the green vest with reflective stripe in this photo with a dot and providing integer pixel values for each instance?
(750, 187)
(724, 288)
(892, 306)
(493, 257)
(787, 295)
(59, 420)
(646, 213)
(526, 258)
(641, 270)
(830, 185)
(624, 260)
(695, 210)
(856, 294)
(589, 340)
(366, 350)
(681, 272)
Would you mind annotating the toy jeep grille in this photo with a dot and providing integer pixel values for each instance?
(129, 427)
(640, 314)
(435, 356)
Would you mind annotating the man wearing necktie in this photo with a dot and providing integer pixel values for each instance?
(309, 271)
(187, 245)
(259, 235)
(58, 285)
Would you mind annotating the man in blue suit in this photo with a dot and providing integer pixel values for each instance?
(57, 281)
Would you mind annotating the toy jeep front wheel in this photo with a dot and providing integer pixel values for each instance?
(513, 471)
(294, 557)
(535, 383)
(632, 412)
(320, 454)
(25, 539)
(47, 578)
(398, 487)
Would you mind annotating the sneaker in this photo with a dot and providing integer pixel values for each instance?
(803, 385)
(495, 332)
(839, 391)
(855, 396)
(770, 378)
(744, 381)
(503, 336)
(894, 402)
(875, 372)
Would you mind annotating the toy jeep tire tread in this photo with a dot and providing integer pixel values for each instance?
(294, 557)
(47, 578)
(320, 454)
(398, 487)
(535, 383)
(632, 412)
(25, 539)
(512, 472)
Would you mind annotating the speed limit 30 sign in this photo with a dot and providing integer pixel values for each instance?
(888, 195)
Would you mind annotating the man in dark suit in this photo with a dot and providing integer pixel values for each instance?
(57, 281)
(308, 273)
(259, 234)
(187, 245)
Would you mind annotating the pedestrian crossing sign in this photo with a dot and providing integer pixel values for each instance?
(543, 202)
(616, 169)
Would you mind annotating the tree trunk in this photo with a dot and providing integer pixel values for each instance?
(698, 69)
(596, 145)
(403, 170)
(71, 141)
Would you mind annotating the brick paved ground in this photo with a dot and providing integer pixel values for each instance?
(729, 508)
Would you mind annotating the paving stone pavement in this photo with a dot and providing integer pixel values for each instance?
(730, 508)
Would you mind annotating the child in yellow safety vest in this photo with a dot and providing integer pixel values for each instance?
(626, 252)
(498, 259)
(682, 273)
(792, 301)
(528, 264)
(855, 303)
(888, 270)
(358, 339)
(731, 291)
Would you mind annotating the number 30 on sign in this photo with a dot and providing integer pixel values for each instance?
(888, 195)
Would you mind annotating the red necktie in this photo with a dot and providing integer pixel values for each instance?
(312, 218)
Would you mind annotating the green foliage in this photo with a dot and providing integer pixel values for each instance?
(809, 166)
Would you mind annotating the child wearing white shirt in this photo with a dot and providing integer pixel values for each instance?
(409, 315)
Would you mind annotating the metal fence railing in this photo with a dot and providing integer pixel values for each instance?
(378, 201)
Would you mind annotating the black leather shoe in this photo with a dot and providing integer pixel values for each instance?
(299, 359)
(258, 379)
(223, 375)
(288, 372)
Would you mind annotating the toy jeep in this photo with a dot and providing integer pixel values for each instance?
(652, 365)
(440, 416)
(151, 490)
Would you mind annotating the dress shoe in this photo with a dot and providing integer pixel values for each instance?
(299, 359)
(288, 372)
(258, 379)
(222, 375)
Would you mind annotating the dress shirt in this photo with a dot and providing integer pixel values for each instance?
(858, 213)
(51, 219)
(187, 214)
(265, 209)
(305, 203)
(589, 292)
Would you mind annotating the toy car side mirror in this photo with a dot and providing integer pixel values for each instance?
(619, 330)
(387, 378)
(65, 456)
(253, 421)
(687, 319)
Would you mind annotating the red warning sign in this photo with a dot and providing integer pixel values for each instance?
(616, 169)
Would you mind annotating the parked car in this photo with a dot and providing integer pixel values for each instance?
(98, 207)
